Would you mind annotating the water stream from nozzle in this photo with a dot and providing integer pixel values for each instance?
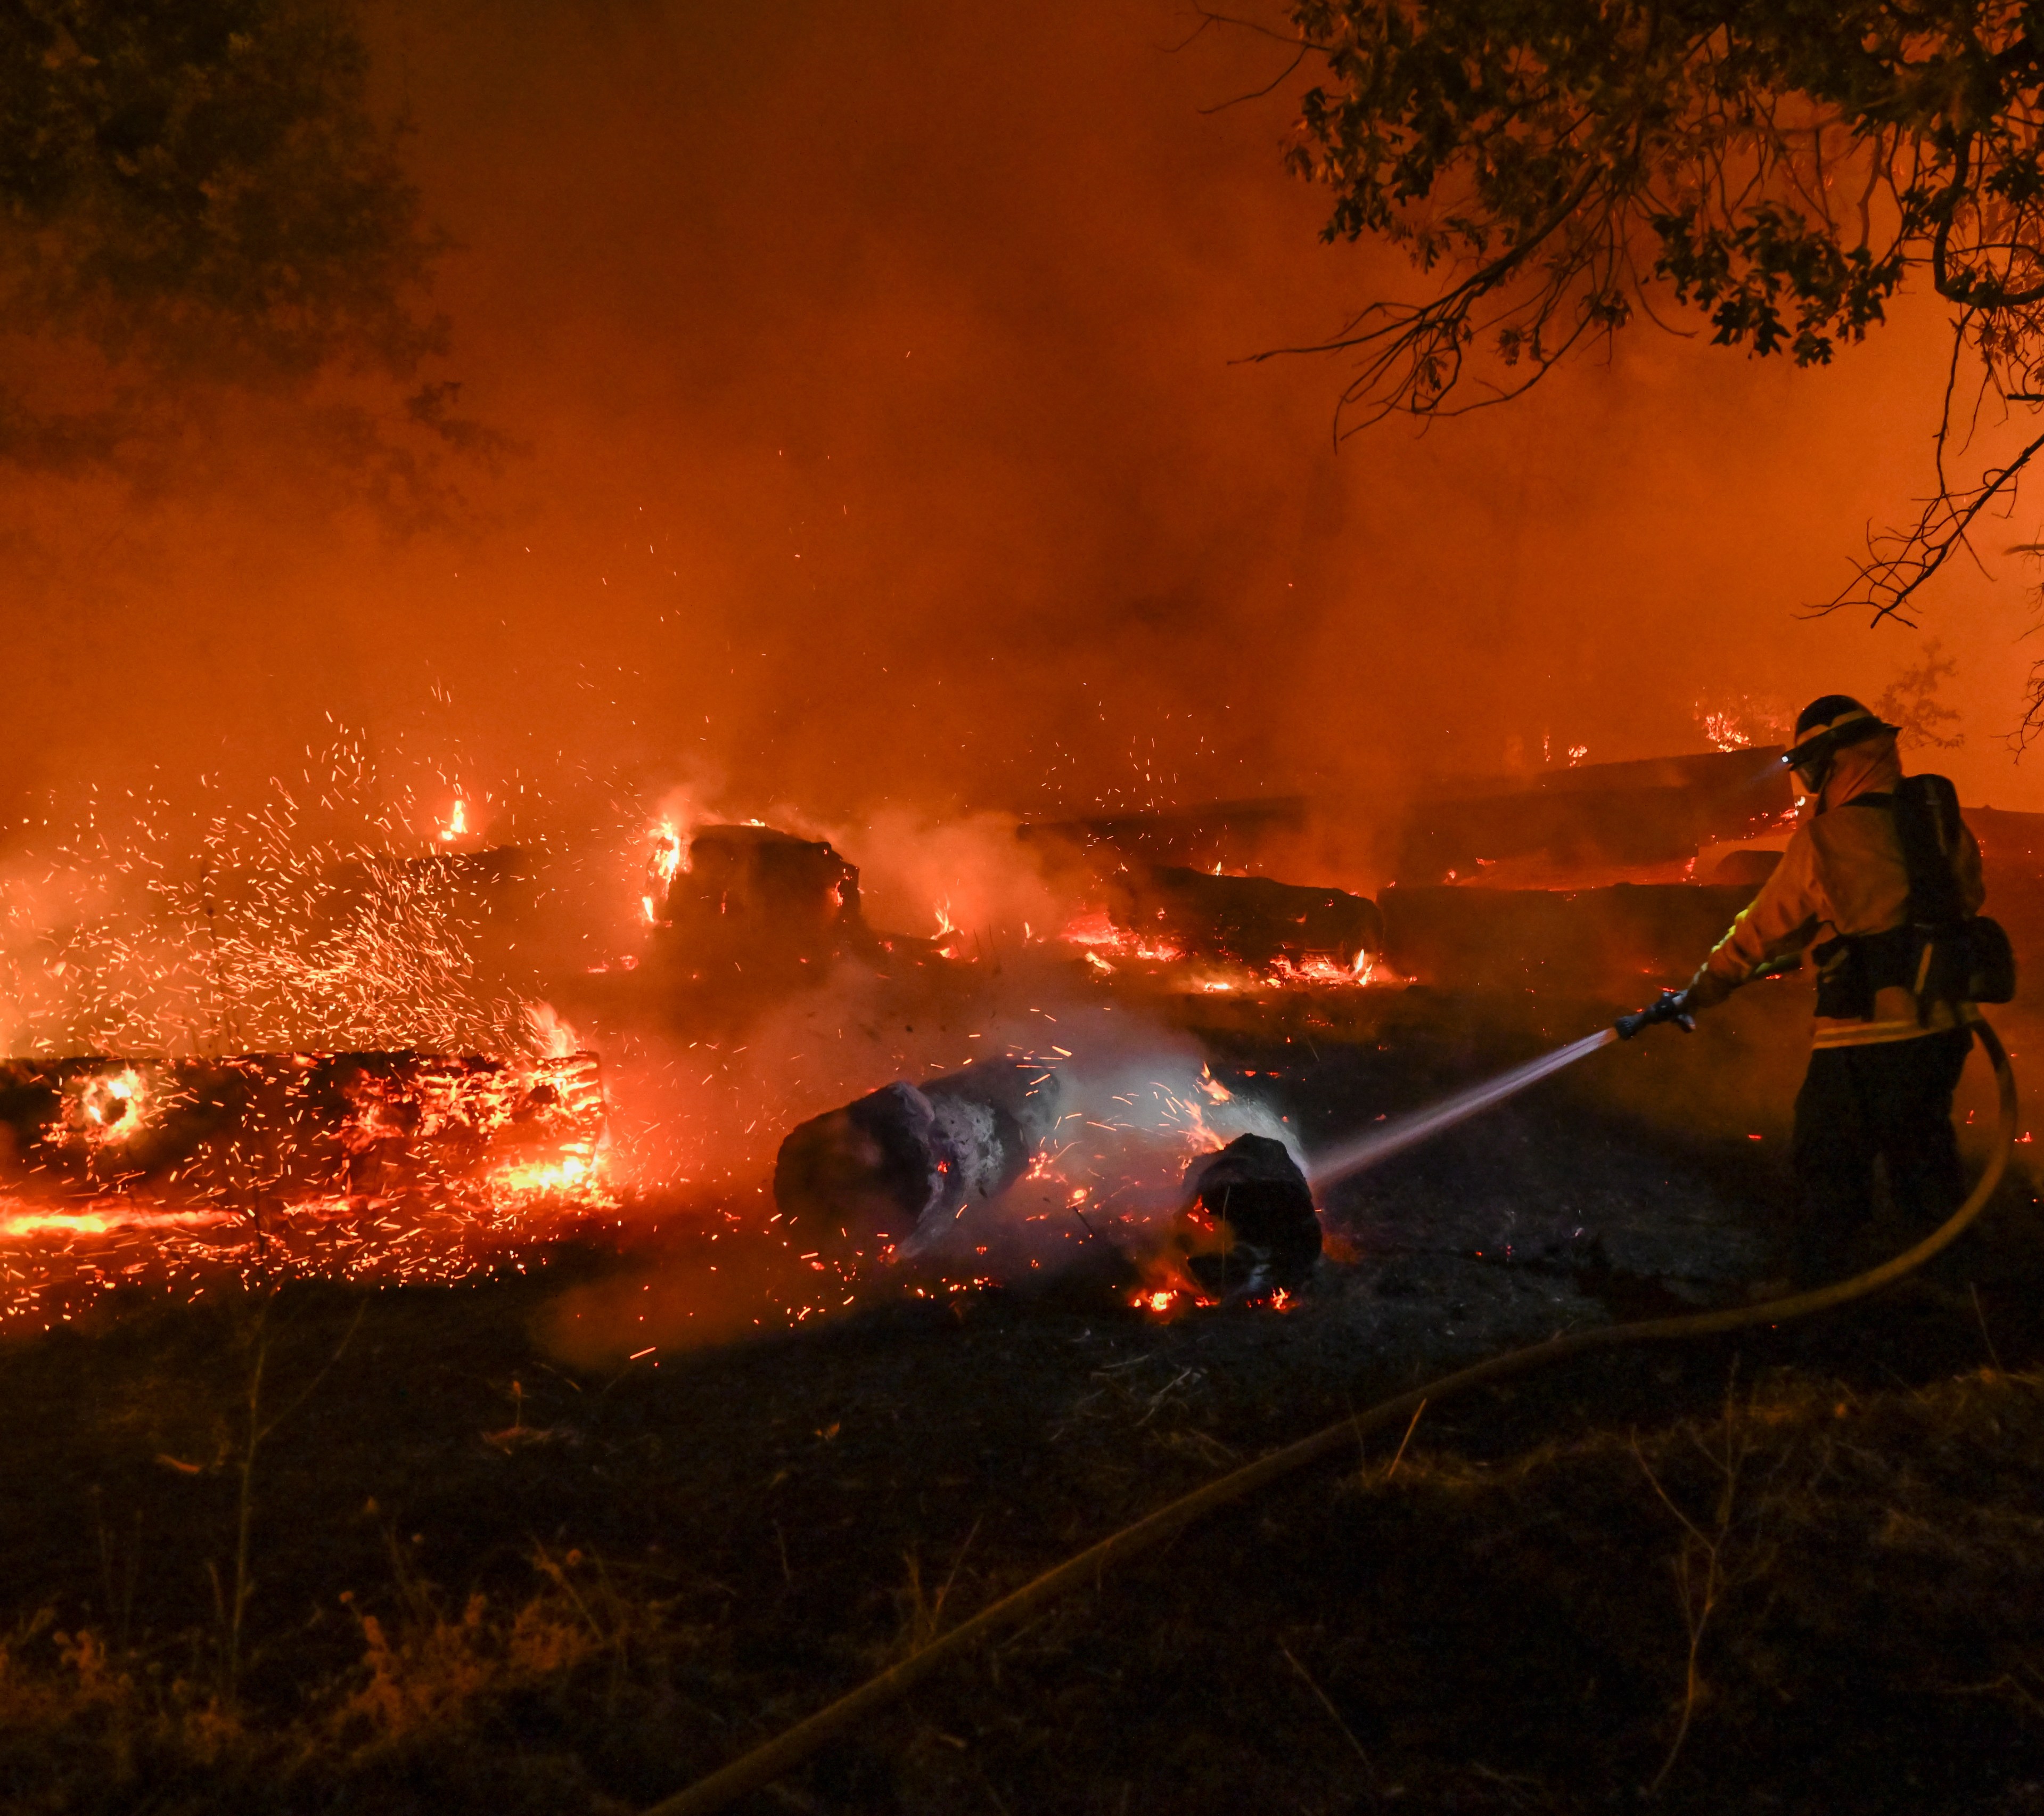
(1418, 1125)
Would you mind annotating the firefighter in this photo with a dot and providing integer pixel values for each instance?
(1885, 1059)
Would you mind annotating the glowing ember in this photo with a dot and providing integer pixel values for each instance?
(1094, 931)
(261, 1126)
(104, 1107)
(457, 825)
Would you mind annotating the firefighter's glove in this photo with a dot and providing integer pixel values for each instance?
(1707, 990)
(1672, 1005)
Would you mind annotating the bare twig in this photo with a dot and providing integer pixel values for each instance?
(1900, 562)
(1326, 1703)
(1404, 1440)
(1699, 1569)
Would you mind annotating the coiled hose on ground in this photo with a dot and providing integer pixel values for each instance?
(764, 1765)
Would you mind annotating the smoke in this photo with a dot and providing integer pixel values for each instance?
(881, 451)
(971, 875)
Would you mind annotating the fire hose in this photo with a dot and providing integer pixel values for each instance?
(755, 1770)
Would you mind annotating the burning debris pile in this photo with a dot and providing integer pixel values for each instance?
(1280, 929)
(1173, 888)
(751, 907)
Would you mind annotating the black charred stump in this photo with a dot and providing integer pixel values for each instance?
(1250, 1219)
(1253, 921)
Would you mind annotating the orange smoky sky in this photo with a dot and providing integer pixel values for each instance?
(880, 433)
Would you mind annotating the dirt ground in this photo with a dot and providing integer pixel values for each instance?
(1800, 1571)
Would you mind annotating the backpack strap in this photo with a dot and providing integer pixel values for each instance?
(1927, 824)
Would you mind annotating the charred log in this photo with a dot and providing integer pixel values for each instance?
(1250, 1225)
(1252, 921)
(903, 1161)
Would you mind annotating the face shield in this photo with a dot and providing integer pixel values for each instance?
(1810, 761)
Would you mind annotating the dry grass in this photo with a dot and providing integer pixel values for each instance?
(428, 1671)
(1803, 1591)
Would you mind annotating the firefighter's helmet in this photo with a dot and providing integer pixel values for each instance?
(1827, 726)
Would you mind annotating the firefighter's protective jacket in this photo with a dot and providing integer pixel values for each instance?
(1841, 875)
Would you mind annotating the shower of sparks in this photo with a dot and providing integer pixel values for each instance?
(315, 920)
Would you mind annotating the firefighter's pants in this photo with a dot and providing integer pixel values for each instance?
(1893, 1099)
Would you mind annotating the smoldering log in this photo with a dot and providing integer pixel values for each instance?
(1654, 811)
(902, 1161)
(1253, 921)
(758, 895)
(1249, 1226)
(255, 1125)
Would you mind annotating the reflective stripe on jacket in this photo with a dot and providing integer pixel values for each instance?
(1843, 874)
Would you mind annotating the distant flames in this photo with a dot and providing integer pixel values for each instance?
(1107, 948)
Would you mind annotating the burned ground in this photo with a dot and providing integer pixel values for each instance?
(478, 1579)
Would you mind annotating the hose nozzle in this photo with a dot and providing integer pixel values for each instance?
(1671, 1006)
